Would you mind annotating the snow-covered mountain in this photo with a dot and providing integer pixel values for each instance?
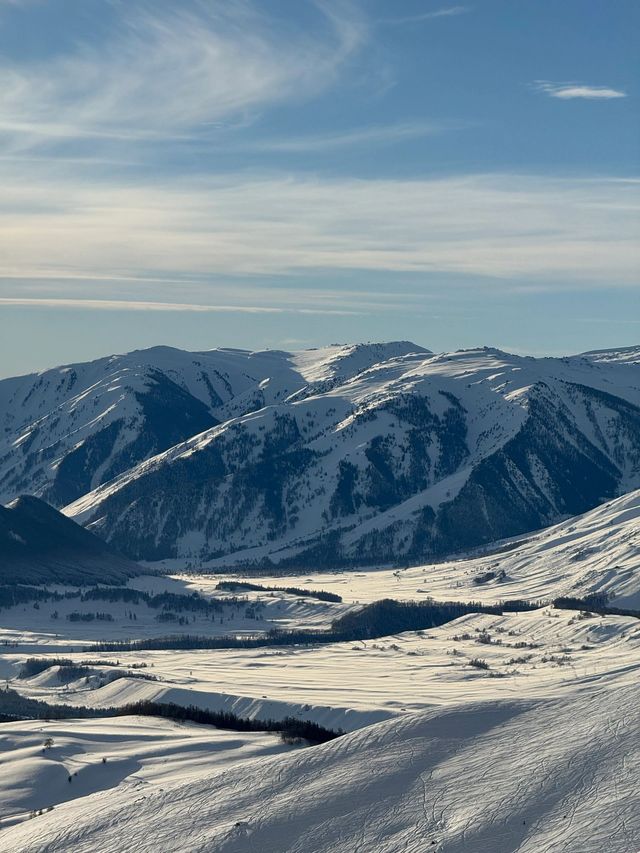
(418, 454)
(366, 453)
(67, 430)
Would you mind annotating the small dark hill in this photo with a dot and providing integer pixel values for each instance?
(38, 544)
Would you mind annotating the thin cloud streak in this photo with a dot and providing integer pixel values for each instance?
(295, 295)
(130, 305)
(570, 91)
(446, 12)
(373, 135)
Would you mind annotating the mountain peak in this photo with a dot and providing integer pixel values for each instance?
(38, 544)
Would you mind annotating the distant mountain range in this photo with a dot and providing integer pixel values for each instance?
(362, 454)
(40, 545)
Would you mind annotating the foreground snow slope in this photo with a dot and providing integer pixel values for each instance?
(137, 752)
(498, 777)
(345, 460)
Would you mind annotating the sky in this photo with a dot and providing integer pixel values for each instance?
(292, 173)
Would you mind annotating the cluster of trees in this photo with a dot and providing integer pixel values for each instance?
(166, 602)
(101, 616)
(13, 706)
(34, 666)
(596, 603)
(379, 619)
(69, 670)
(290, 728)
(11, 596)
(193, 603)
(320, 595)
(388, 616)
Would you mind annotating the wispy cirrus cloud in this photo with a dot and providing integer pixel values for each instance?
(369, 135)
(171, 71)
(151, 305)
(445, 12)
(569, 91)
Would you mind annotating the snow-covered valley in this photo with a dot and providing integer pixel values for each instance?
(493, 732)
(492, 777)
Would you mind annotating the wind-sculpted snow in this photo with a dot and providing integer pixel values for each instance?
(496, 777)
(366, 462)
(85, 756)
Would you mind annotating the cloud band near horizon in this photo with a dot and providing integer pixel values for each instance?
(515, 227)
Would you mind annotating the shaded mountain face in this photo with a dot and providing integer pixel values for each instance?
(38, 545)
(379, 453)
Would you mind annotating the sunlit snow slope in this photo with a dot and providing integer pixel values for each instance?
(499, 777)
(594, 553)
(84, 756)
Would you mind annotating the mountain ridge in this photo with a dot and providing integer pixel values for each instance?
(344, 454)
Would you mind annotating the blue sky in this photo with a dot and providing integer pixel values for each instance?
(292, 173)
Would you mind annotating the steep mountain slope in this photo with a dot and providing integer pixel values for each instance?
(595, 553)
(410, 456)
(67, 430)
(40, 545)
(493, 777)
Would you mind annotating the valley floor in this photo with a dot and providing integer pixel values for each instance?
(546, 652)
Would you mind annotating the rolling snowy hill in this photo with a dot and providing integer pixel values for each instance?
(491, 777)
(138, 751)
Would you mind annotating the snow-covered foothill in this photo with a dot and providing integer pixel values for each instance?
(493, 777)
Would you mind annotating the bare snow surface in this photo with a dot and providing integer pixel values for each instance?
(531, 776)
